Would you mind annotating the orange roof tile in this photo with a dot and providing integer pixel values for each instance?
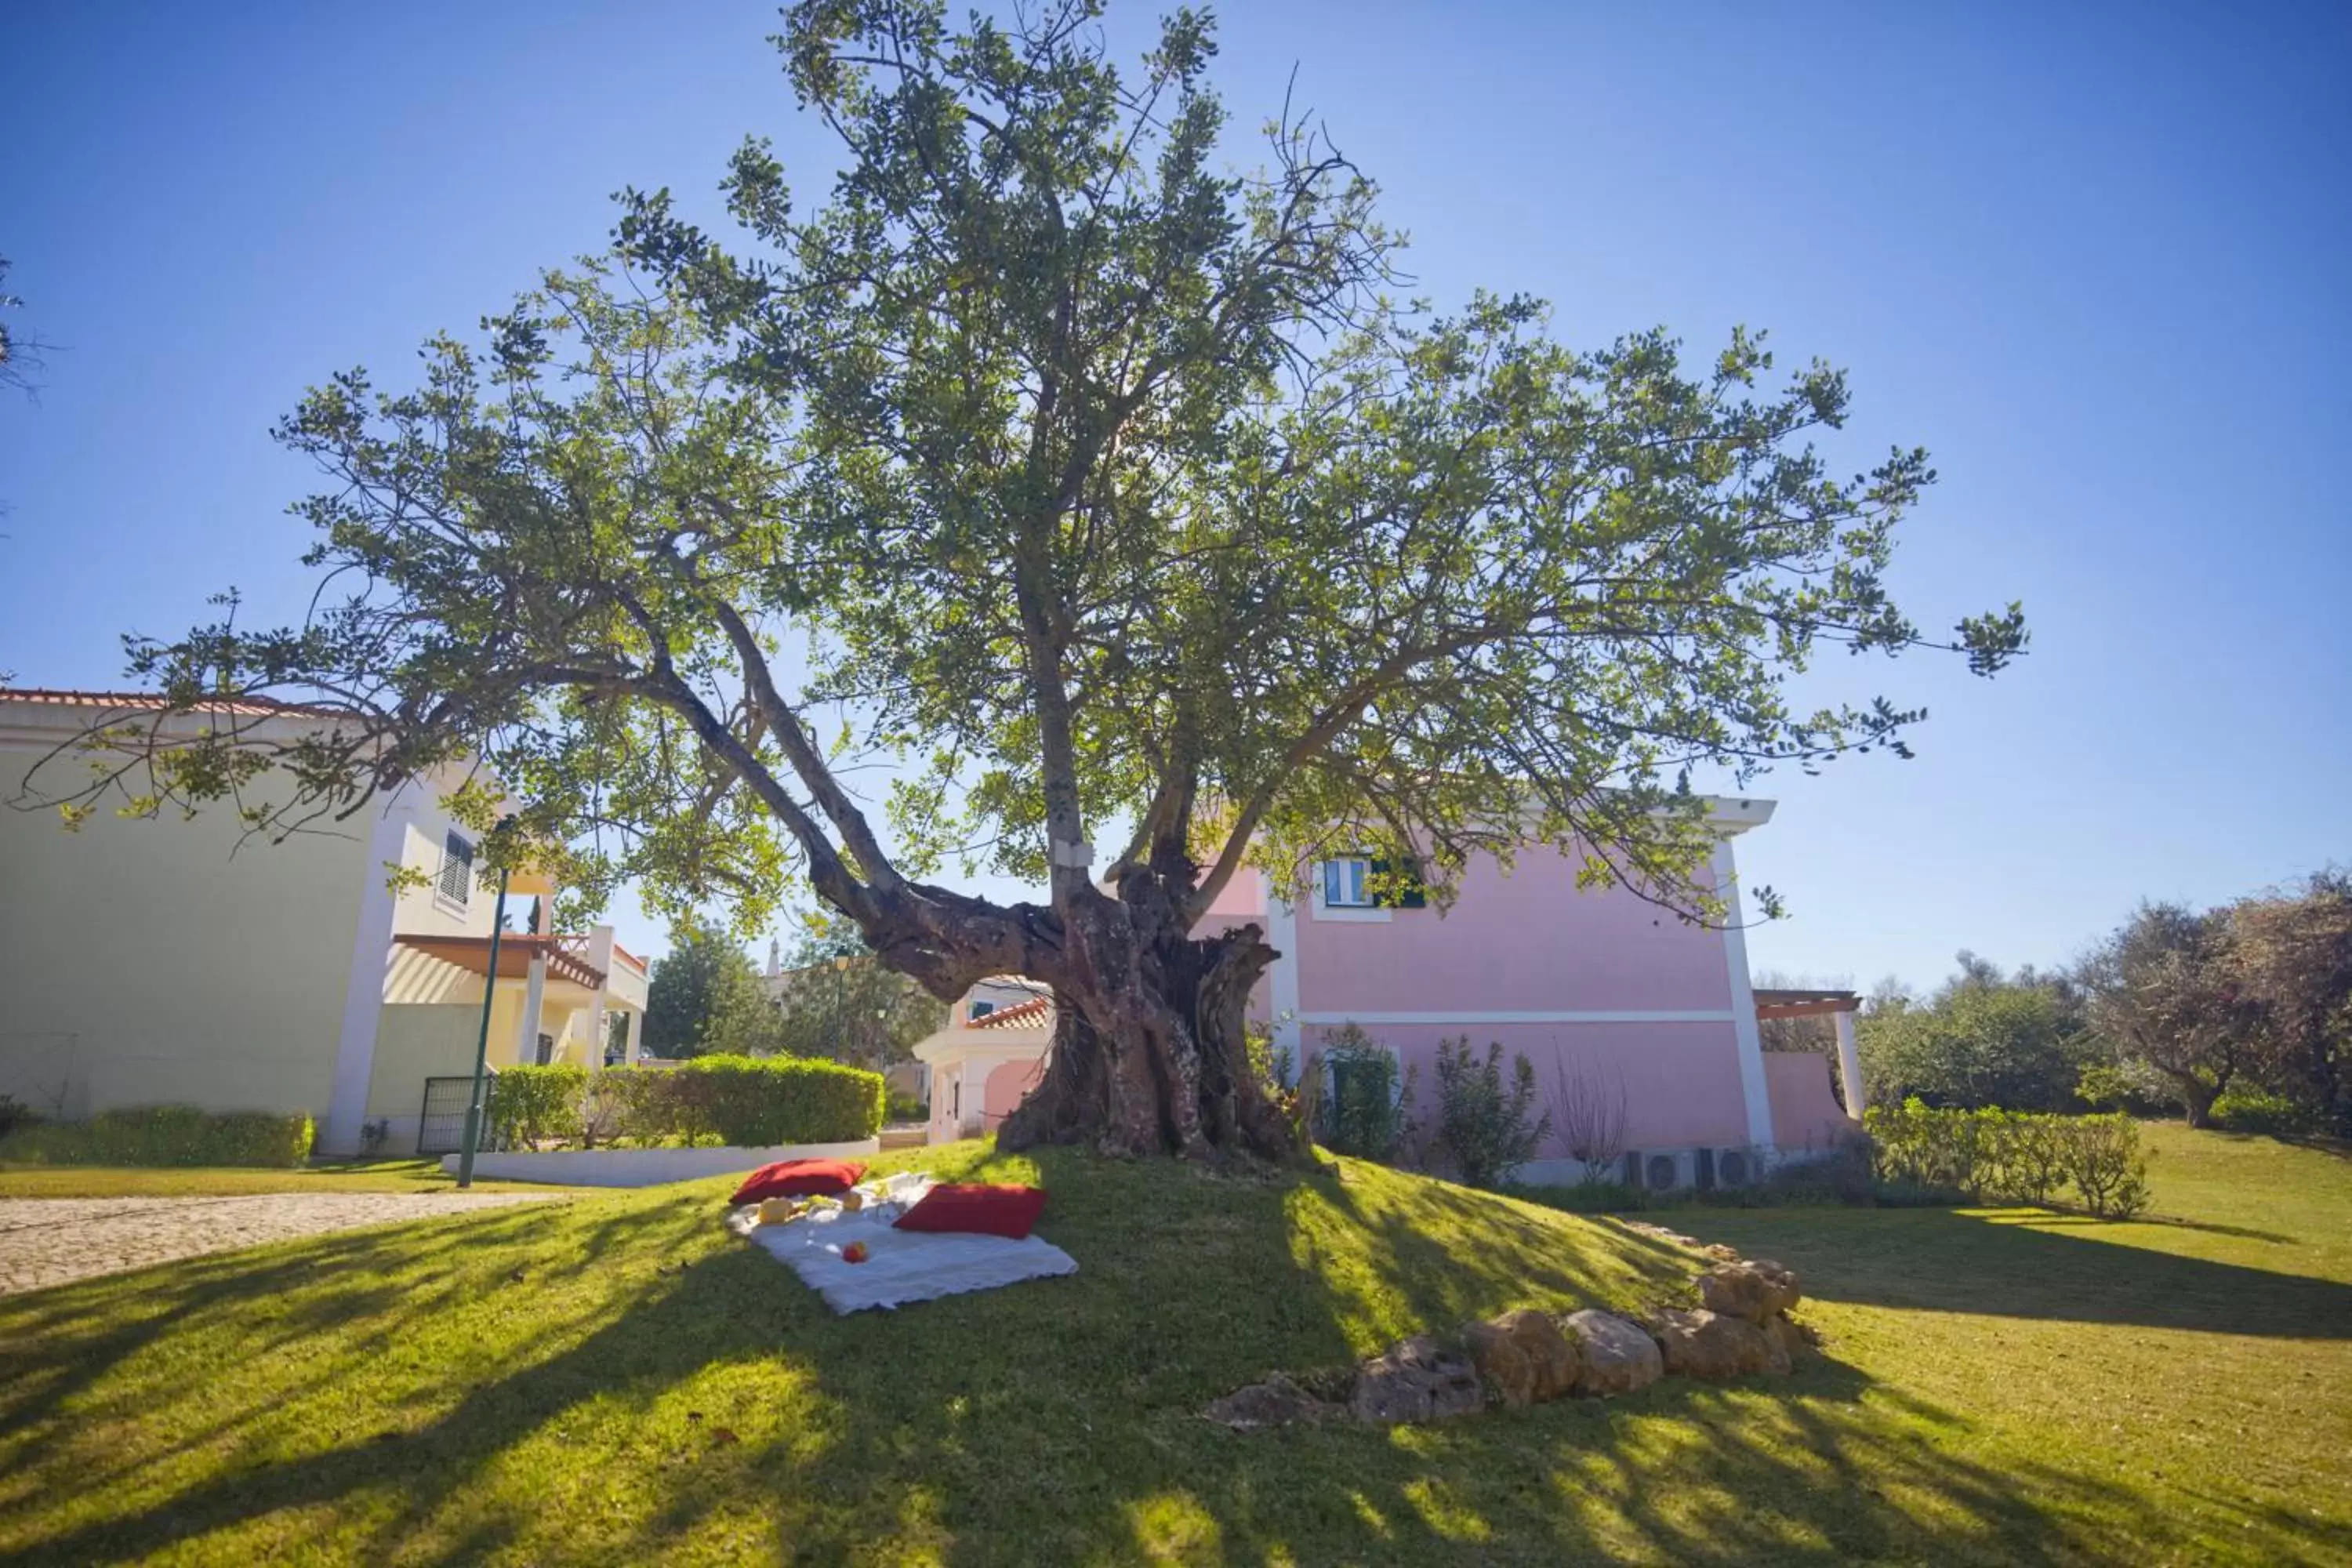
(1020, 1015)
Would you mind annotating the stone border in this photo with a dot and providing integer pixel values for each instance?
(1528, 1357)
(646, 1167)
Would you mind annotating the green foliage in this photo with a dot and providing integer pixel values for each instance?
(532, 1104)
(165, 1135)
(1364, 1104)
(897, 1106)
(702, 990)
(749, 1101)
(838, 1001)
(15, 1113)
(2255, 1110)
(1488, 1129)
(1980, 1042)
(2104, 1160)
(2023, 1156)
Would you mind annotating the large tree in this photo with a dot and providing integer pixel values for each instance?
(1109, 492)
(2166, 998)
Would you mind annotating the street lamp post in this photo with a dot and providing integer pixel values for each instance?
(475, 1106)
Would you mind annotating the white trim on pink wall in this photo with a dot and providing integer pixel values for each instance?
(1753, 1086)
(1281, 976)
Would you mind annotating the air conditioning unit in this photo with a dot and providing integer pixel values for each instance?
(1656, 1170)
(1736, 1167)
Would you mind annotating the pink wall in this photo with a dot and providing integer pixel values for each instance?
(1805, 1114)
(1527, 941)
(1009, 1084)
(1682, 1080)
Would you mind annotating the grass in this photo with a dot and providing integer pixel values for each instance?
(620, 1381)
(26, 1181)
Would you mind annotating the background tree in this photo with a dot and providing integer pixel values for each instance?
(2290, 952)
(701, 994)
(838, 1001)
(20, 356)
(1118, 495)
(1984, 1039)
(2164, 999)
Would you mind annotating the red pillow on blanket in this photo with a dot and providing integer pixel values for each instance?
(976, 1209)
(800, 1179)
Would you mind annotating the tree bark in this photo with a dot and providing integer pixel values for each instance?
(1149, 1054)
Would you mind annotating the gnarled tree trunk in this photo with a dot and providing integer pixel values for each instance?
(1150, 1054)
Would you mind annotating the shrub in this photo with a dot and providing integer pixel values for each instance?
(1364, 1106)
(745, 1101)
(1484, 1126)
(2255, 1110)
(1589, 1110)
(531, 1105)
(2104, 1160)
(897, 1107)
(2024, 1156)
(1591, 1197)
(166, 1135)
(15, 1113)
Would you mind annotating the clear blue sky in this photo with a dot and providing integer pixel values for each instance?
(2094, 257)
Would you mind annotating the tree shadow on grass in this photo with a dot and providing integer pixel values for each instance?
(2028, 1264)
(653, 1391)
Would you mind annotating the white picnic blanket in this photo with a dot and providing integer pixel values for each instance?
(901, 1266)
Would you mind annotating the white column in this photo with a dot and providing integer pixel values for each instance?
(1748, 1036)
(634, 1043)
(1850, 1066)
(534, 995)
(600, 958)
(347, 1095)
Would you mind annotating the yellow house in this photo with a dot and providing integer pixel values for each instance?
(175, 961)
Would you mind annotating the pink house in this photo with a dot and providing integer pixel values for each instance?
(1596, 983)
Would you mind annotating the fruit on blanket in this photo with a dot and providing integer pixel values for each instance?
(854, 1253)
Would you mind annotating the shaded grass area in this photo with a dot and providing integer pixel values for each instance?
(621, 1381)
(24, 1181)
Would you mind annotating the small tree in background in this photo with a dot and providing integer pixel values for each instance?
(1488, 1129)
(699, 992)
(1589, 1111)
(1983, 1039)
(2291, 953)
(837, 1000)
(2163, 997)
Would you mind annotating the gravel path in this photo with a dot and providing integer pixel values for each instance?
(52, 1241)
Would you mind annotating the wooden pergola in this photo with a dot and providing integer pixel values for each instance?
(516, 952)
(1840, 1007)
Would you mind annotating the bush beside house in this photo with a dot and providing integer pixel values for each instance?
(165, 1135)
(737, 1101)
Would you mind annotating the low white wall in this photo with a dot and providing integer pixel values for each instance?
(646, 1167)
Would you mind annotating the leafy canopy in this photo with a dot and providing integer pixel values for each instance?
(1095, 485)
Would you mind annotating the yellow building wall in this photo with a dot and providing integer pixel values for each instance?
(142, 962)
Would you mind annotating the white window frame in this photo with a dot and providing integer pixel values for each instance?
(456, 903)
(1364, 914)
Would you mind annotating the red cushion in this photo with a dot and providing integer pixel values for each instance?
(800, 1179)
(979, 1209)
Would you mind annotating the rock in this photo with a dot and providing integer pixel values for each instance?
(1614, 1356)
(1721, 1253)
(1502, 1365)
(1753, 1290)
(1711, 1345)
(1416, 1380)
(1523, 1357)
(1788, 1341)
(1276, 1402)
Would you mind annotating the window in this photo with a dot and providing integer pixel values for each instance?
(1358, 882)
(1344, 883)
(457, 883)
(982, 1009)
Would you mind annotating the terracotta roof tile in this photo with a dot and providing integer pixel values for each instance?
(1020, 1015)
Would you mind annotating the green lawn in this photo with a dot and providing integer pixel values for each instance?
(620, 1381)
(21, 1180)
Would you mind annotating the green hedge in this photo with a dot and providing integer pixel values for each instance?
(165, 1135)
(2025, 1156)
(535, 1104)
(746, 1101)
